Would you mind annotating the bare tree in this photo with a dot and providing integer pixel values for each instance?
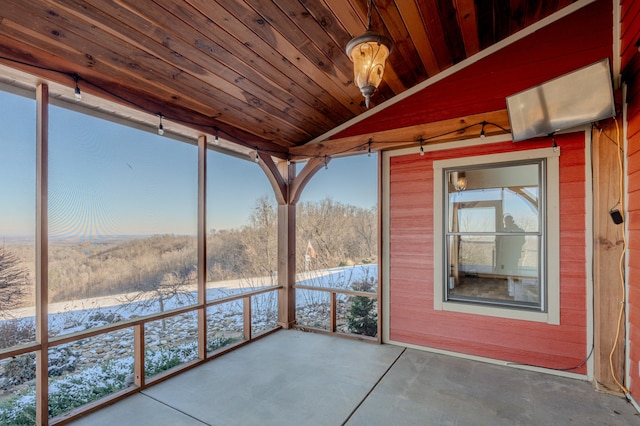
(14, 280)
(170, 280)
(366, 228)
(339, 233)
(259, 239)
(226, 254)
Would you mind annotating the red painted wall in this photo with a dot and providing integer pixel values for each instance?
(630, 34)
(412, 317)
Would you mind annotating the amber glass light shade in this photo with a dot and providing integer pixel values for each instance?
(369, 53)
(458, 180)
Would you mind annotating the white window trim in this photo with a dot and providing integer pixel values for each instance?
(552, 314)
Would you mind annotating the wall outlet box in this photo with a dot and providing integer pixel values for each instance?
(616, 216)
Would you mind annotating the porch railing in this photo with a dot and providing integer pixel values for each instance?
(333, 309)
(138, 326)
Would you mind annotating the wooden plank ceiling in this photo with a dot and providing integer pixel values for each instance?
(268, 74)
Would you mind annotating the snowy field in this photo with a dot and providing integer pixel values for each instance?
(68, 317)
(92, 368)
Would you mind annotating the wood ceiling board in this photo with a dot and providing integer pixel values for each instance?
(501, 19)
(329, 22)
(518, 12)
(248, 83)
(121, 95)
(273, 20)
(467, 21)
(276, 49)
(335, 61)
(259, 60)
(411, 16)
(532, 12)
(27, 49)
(431, 18)
(91, 41)
(404, 49)
(225, 87)
(449, 19)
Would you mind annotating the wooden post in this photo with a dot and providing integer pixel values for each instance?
(288, 188)
(202, 246)
(380, 222)
(138, 355)
(287, 265)
(246, 302)
(42, 254)
(333, 312)
(608, 245)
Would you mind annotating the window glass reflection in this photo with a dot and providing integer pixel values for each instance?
(494, 240)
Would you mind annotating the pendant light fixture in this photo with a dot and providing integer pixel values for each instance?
(368, 52)
(459, 180)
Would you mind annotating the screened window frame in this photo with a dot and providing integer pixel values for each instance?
(551, 315)
(540, 233)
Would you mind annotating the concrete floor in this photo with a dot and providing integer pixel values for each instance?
(297, 378)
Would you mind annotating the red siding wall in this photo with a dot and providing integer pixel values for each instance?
(630, 34)
(412, 317)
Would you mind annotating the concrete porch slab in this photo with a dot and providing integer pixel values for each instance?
(297, 378)
(425, 388)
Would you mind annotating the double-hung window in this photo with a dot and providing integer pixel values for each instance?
(494, 234)
(497, 234)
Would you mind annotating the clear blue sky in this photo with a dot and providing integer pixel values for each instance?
(107, 179)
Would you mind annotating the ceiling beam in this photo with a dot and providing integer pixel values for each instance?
(497, 122)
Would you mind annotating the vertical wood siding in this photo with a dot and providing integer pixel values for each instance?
(633, 223)
(412, 317)
(630, 34)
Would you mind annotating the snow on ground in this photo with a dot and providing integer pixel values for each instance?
(106, 365)
(72, 316)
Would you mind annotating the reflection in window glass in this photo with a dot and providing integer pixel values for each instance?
(17, 219)
(242, 226)
(122, 222)
(494, 238)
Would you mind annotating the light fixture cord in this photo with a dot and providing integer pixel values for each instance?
(369, 15)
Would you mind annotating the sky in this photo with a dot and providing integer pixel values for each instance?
(107, 179)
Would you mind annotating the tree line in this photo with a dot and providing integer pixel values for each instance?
(329, 234)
